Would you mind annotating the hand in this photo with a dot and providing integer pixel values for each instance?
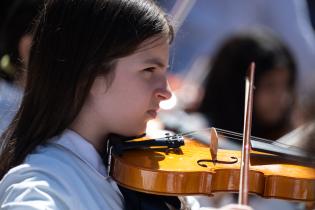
(230, 207)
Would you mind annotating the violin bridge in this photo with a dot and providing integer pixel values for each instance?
(213, 144)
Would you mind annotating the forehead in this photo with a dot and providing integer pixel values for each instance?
(152, 43)
(153, 50)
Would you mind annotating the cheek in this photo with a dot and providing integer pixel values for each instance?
(132, 96)
(130, 99)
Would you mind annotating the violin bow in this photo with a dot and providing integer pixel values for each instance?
(244, 170)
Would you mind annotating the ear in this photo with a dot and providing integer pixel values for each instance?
(99, 86)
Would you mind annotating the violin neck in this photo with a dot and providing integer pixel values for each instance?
(290, 154)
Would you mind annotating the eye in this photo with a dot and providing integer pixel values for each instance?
(148, 72)
(150, 69)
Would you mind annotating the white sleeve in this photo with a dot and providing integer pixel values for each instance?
(33, 195)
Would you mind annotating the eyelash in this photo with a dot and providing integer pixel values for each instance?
(151, 69)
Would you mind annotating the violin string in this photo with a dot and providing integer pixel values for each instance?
(237, 136)
(226, 133)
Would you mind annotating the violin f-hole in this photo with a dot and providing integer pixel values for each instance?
(202, 161)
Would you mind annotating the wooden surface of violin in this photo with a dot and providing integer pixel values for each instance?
(188, 170)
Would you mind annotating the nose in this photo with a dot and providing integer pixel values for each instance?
(164, 93)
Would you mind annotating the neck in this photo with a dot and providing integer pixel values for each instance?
(94, 135)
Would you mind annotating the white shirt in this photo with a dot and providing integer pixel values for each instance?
(67, 173)
(10, 98)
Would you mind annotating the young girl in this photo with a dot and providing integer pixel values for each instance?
(97, 67)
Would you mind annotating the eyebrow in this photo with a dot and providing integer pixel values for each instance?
(156, 61)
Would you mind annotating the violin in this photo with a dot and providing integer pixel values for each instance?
(191, 170)
(179, 165)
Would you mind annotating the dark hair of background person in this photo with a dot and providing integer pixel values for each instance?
(74, 42)
(18, 23)
(223, 103)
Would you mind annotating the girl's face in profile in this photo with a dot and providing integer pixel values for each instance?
(133, 96)
(273, 96)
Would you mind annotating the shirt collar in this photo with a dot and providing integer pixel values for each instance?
(82, 148)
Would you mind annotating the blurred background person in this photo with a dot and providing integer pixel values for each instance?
(15, 43)
(220, 98)
(275, 85)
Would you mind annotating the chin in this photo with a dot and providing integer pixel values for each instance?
(133, 132)
(138, 133)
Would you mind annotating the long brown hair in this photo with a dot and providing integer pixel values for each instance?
(74, 41)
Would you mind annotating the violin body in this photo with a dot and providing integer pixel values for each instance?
(188, 170)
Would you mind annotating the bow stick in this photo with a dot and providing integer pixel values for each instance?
(244, 171)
